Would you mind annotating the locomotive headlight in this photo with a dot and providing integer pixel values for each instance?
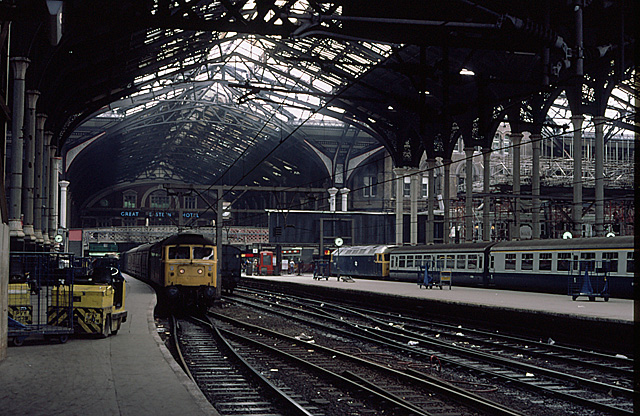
(200, 271)
(181, 271)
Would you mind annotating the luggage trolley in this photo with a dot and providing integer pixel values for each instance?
(589, 278)
(39, 286)
(431, 278)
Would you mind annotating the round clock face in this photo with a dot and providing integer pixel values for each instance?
(338, 241)
(58, 238)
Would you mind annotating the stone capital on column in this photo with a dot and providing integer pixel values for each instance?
(32, 98)
(19, 65)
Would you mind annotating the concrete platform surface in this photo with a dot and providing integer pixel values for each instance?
(614, 309)
(131, 373)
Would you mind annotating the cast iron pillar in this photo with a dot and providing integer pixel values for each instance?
(64, 185)
(332, 198)
(486, 189)
(344, 193)
(37, 201)
(28, 178)
(599, 155)
(446, 226)
(414, 191)
(535, 185)
(53, 193)
(431, 200)
(468, 200)
(46, 184)
(16, 233)
(577, 121)
(516, 140)
(399, 172)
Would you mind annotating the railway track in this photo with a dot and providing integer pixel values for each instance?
(552, 371)
(232, 385)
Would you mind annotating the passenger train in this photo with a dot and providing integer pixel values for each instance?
(182, 267)
(534, 265)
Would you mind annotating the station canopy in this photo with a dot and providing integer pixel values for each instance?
(235, 93)
(235, 112)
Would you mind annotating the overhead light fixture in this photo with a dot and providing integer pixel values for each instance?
(465, 71)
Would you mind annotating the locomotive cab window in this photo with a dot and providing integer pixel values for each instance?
(204, 253)
(178, 253)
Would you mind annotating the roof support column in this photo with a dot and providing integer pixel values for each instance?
(535, 185)
(431, 200)
(53, 192)
(486, 199)
(332, 198)
(399, 172)
(446, 225)
(468, 200)
(415, 193)
(38, 169)
(28, 178)
(344, 192)
(599, 155)
(64, 185)
(16, 233)
(577, 121)
(46, 184)
(516, 140)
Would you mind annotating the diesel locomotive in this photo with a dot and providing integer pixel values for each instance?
(182, 267)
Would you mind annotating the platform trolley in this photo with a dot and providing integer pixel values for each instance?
(430, 277)
(34, 279)
(590, 279)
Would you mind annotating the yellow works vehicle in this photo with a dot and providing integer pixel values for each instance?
(19, 302)
(98, 303)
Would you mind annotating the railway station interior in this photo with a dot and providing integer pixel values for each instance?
(305, 125)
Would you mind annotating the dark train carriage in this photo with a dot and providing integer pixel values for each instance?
(467, 262)
(361, 261)
(547, 265)
(230, 267)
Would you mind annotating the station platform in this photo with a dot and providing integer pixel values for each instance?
(606, 326)
(131, 373)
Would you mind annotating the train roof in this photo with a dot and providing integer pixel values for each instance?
(432, 248)
(360, 250)
(187, 238)
(568, 244)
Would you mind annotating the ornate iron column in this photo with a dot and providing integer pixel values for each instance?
(28, 177)
(19, 66)
(516, 140)
(468, 200)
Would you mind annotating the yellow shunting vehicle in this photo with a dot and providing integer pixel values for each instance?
(19, 303)
(98, 303)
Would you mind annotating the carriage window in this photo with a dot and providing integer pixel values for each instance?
(205, 253)
(564, 261)
(450, 262)
(510, 261)
(428, 261)
(545, 261)
(419, 260)
(461, 261)
(178, 253)
(610, 262)
(630, 264)
(440, 262)
(587, 261)
(492, 262)
(401, 261)
(527, 261)
(473, 262)
(480, 262)
(409, 261)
